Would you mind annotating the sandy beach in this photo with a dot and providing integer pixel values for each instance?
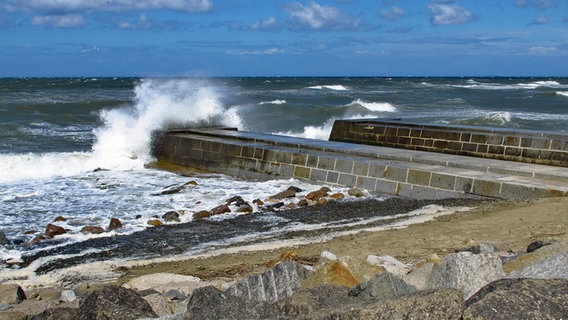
(508, 225)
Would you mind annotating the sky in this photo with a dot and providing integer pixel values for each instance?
(53, 38)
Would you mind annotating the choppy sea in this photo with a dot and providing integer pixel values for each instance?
(78, 147)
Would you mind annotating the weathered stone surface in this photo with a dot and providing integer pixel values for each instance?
(426, 304)
(114, 302)
(533, 246)
(278, 282)
(520, 299)
(346, 271)
(171, 216)
(61, 313)
(542, 253)
(390, 264)
(53, 230)
(92, 230)
(382, 286)
(288, 193)
(68, 296)
(202, 214)
(553, 267)
(246, 208)
(162, 282)
(419, 276)
(114, 224)
(354, 192)
(466, 272)
(11, 294)
(210, 303)
(159, 304)
(154, 222)
(308, 302)
(3, 239)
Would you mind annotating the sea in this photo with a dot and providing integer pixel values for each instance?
(79, 148)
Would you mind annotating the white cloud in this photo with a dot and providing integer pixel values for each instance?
(537, 4)
(58, 7)
(267, 24)
(317, 17)
(541, 50)
(541, 19)
(143, 23)
(60, 21)
(393, 14)
(269, 51)
(445, 12)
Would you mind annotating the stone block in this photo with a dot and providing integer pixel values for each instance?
(302, 172)
(361, 168)
(318, 175)
(383, 286)
(299, 159)
(332, 177)
(326, 163)
(348, 180)
(419, 177)
(344, 165)
(443, 181)
(466, 272)
(396, 173)
(366, 183)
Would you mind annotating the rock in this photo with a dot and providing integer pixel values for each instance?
(519, 299)
(337, 196)
(236, 201)
(67, 296)
(347, 272)
(174, 295)
(482, 248)
(258, 202)
(92, 229)
(553, 267)
(220, 210)
(434, 259)
(3, 239)
(114, 302)
(11, 294)
(306, 303)
(59, 219)
(154, 222)
(328, 256)
(36, 240)
(533, 246)
(162, 282)
(202, 214)
(191, 183)
(390, 264)
(171, 216)
(60, 313)
(315, 195)
(321, 200)
(246, 208)
(383, 286)
(278, 282)
(303, 203)
(526, 260)
(466, 272)
(358, 193)
(210, 303)
(288, 193)
(52, 230)
(169, 190)
(159, 304)
(114, 224)
(418, 277)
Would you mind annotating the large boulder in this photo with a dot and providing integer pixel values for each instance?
(553, 267)
(60, 313)
(114, 302)
(54, 230)
(3, 239)
(278, 282)
(11, 294)
(307, 302)
(345, 271)
(382, 286)
(210, 303)
(520, 299)
(389, 263)
(163, 282)
(466, 272)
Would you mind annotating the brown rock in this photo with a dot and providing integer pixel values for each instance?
(202, 214)
(114, 224)
(303, 203)
(337, 196)
(315, 195)
(220, 210)
(59, 218)
(52, 230)
(154, 222)
(258, 202)
(191, 183)
(36, 240)
(11, 294)
(92, 229)
(245, 209)
(322, 200)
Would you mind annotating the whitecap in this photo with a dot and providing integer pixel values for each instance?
(562, 93)
(337, 87)
(374, 106)
(277, 101)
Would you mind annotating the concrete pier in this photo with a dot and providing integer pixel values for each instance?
(386, 170)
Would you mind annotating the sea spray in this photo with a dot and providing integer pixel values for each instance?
(159, 104)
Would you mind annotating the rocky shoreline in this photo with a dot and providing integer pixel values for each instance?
(506, 260)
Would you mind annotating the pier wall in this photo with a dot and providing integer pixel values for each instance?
(548, 148)
(392, 171)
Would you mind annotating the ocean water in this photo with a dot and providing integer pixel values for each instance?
(77, 147)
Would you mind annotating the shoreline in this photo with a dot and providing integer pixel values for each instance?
(508, 225)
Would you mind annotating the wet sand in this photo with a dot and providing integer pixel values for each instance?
(509, 225)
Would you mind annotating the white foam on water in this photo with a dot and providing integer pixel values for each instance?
(336, 87)
(277, 102)
(374, 106)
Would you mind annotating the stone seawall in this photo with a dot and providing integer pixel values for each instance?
(392, 171)
(549, 148)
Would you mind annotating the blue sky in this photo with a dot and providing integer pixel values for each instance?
(283, 38)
